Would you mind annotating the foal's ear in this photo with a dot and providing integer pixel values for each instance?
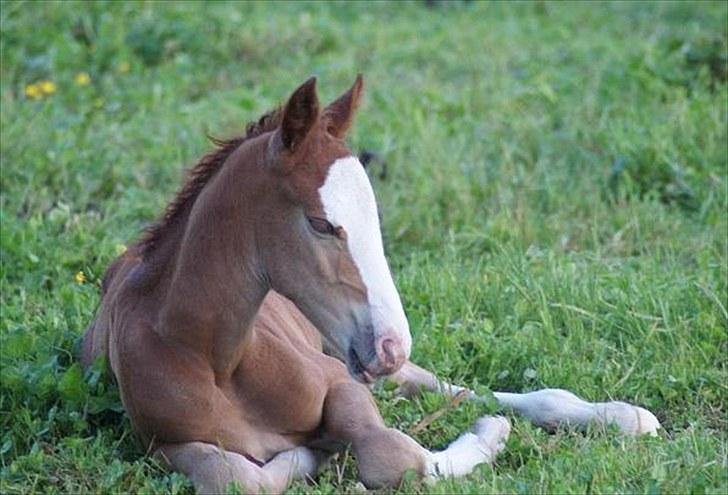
(300, 114)
(340, 114)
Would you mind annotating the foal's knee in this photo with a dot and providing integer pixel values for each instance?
(384, 455)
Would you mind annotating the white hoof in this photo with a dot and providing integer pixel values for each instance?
(631, 420)
(647, 422)
(493, 431)
(304, 461)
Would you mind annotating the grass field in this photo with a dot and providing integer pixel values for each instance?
(554, 211)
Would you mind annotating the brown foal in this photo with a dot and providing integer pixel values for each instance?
(242, 327)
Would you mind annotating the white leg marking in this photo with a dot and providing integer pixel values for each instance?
(555, 407)
(470, 449)
(212, 469)
(549, 408)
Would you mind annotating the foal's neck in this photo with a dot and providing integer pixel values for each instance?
(215, 288)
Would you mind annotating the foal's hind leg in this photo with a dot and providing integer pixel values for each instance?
(384, 454)
(212, 469)
(548, 408)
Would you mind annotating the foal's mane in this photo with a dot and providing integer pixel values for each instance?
(199, 175)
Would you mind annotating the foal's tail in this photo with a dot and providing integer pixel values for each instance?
(96, 339)
(87, 346)
(95, 343)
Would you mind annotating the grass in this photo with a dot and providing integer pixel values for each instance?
(554, 213)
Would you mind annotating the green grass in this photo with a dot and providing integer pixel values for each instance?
(555, 214)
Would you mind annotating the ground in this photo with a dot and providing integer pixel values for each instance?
(554, 212)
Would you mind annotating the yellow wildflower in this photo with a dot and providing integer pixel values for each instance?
(47, 87)
(83, 79)
(33, 91)
(124, 67)
(80, 278)
(120, 249)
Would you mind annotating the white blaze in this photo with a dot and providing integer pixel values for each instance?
(348, 201)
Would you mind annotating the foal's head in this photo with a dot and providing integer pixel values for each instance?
(319, 239)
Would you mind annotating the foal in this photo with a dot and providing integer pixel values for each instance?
(215, 323)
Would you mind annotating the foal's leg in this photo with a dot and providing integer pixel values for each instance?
(384, 454)
(212, 469)
(548, 408)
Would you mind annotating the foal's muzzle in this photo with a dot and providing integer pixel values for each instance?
(386, 358)
(390, 354)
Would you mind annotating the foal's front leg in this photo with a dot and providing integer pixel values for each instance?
(212, 469)
(548, 408)
(384, 454)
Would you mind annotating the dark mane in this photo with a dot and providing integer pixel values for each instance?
(199, 175)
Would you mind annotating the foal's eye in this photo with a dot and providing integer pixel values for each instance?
(322, 226)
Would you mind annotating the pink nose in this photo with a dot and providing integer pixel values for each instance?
(390, 354)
